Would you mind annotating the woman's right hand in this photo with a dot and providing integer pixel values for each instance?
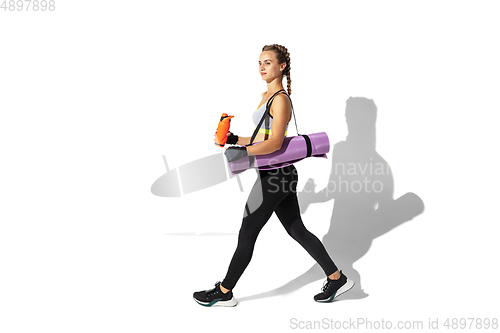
(231, 138)
(215, 136)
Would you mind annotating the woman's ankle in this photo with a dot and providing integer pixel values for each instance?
(334, 276)
(224, 290)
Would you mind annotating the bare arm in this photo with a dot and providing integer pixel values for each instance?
(242, 141)
(281, 111)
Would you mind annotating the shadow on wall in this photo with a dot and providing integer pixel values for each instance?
(362, 186)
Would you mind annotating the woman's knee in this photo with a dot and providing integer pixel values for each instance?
(249, 232)
(297, 229)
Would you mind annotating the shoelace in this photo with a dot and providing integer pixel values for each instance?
(213, 291)
(326, 285)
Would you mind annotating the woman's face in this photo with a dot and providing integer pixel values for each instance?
(268, 66)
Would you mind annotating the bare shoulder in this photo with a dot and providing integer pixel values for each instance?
(281, 101)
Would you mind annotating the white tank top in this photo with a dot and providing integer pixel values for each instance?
(266, 126)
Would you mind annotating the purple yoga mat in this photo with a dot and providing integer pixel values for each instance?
(292, 150)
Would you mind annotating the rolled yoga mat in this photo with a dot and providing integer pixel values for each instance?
(292, 150)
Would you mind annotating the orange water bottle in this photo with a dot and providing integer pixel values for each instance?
(222, 130)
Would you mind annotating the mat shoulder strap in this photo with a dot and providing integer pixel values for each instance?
(268, 107)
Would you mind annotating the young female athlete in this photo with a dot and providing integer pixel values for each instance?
(274, 63)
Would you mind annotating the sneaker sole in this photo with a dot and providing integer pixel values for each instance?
(216, 302)
(346, 287)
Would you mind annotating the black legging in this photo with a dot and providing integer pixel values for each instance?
(274, 191)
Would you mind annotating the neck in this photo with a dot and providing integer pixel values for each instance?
(275, 85)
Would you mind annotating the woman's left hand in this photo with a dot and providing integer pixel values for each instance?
(235, 153)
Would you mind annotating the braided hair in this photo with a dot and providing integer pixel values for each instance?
(282, 55)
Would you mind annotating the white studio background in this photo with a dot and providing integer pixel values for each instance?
(94, 93)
